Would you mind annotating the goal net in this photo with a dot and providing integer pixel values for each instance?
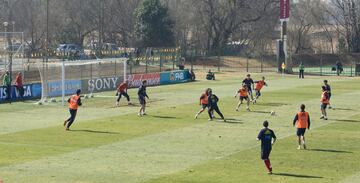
(62, 78)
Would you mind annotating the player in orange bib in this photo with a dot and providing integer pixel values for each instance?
(302, 121)
(74, 103)
(122, 91)
(203, 102)
(259, 85)
(244, 95)
(325, 100)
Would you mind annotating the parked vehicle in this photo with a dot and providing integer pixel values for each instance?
(69, 49)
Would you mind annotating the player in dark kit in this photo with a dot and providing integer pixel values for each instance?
(212, 106)
(302, 121)
(142, 94)
(328, 89)
(268, 138)
(249, 83)
(122, 91)
(74, 103)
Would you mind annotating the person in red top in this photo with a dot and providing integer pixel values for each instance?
(302, 121)
(259, 85)
(203, 102)
(244, 95)
(74, 103)
(325, 100)
(19, 85)
(122, 91)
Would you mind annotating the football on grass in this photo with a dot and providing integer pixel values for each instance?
(272, 113)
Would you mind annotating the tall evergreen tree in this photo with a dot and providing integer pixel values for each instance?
(154, 27)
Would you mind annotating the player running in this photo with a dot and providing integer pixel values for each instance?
(203, 102)
(249, 83)
(142, 94)
(268, 138)
(325, 100)
(212, 106)
(74, 103)
(259, 85)
(243, 95)
(122, 91)
(328, 89)
(302, 121)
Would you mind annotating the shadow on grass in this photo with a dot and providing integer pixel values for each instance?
(95, 131)
(330, 150)
(298, 175)
(233, 121)
(272, 104)
(347, 120)
(343, 109)
(163, 117)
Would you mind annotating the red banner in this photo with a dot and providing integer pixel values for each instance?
(135, 80)
(284, 9)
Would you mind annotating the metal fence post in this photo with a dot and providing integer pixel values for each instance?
(261, 66)
(219, 61)
(91, 71)
(115, 68)
(321, 64)
(247, 64)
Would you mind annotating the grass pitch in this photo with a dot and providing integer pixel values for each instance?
(110, 144)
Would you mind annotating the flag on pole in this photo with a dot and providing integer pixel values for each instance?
(284, 10)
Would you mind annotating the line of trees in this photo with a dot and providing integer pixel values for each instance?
(210, 25)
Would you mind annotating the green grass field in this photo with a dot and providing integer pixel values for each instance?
(111, 145)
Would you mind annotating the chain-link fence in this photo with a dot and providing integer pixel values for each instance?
(328, 64)
(233, 63)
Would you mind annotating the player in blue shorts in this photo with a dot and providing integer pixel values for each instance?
(267, 138)
(142, 98)
(249, 83)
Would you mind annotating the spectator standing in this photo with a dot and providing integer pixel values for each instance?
(339, 68)
(7, 85)
(301, 70)
(19, 85)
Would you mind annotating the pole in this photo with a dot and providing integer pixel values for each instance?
(261, 66)
(63, 83)
(125, 69)
(321, 64)
(115, 69)
(247, 64)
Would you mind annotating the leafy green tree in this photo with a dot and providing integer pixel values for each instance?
(153, 26)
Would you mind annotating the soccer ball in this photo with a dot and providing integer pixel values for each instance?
(39, 103)
(91, 95)
(53, 100)
(272, 113)
(85, 96)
